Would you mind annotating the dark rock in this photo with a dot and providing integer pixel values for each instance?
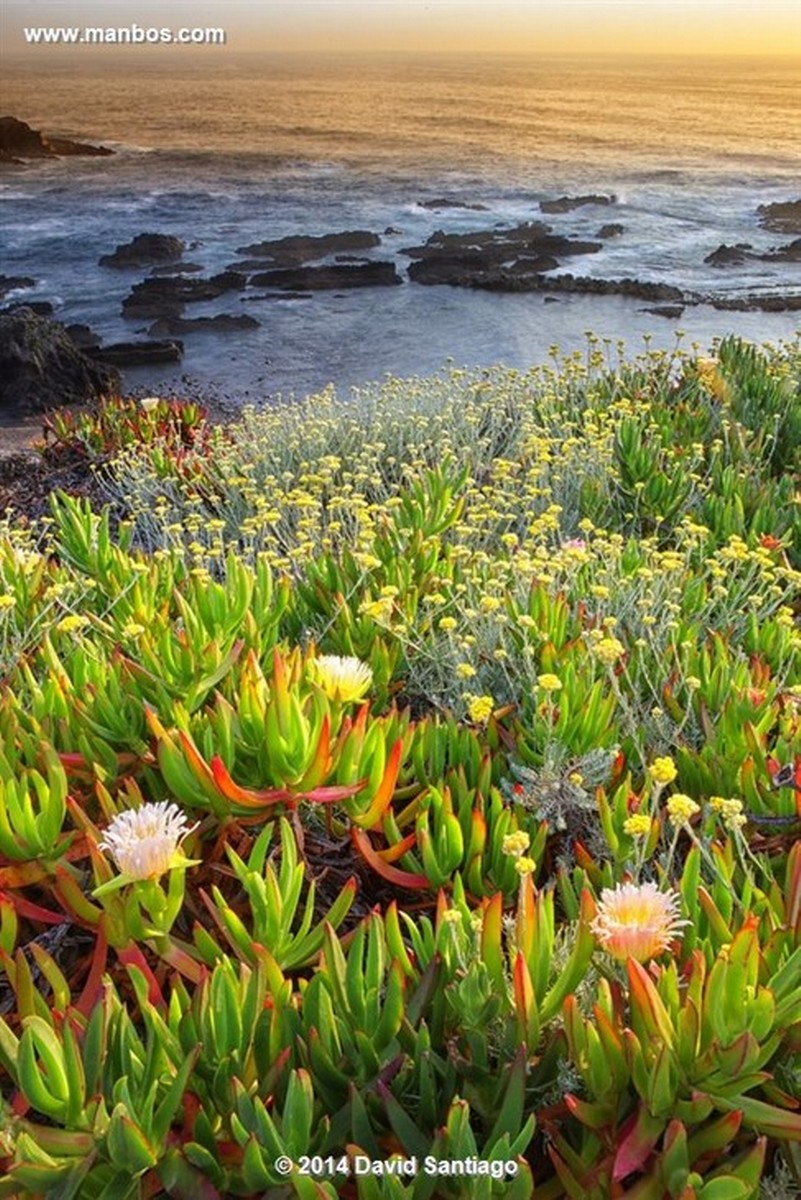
(757, 303)
(673, 311)
(41, 367)
(18, 141)
(138, 354)
(166, 295)
(509, 259)
(610, 230)
(143, 250)
(782, 217)
(391, 231)
(790, 253)
(279, 296)
(15, 283)
(222, 323)
(615, 287)
(479, 273)
(371, 274)
(550, 300)
(730, 256)
(42, 308)
(179, 268)
(568, 203)
(83, 336)
(444, 202)
(299, 248)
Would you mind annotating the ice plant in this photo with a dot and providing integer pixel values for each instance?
(145, 842)
(343, 679)
(637, 921)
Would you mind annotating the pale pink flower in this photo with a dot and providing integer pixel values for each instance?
(637, 921)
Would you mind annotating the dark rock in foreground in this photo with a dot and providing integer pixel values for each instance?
(41, 367)
(144, 250)
(138, 354)
(222, 323)
(42, 308)
(313, 279)
(782, 217)
(15, 283)
(165, 296)
(83, 336)
(297, 249)
(18, 142)
(568, 203)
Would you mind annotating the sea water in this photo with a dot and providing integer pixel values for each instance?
(258, 147)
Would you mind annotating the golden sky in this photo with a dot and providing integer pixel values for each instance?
(708, 27)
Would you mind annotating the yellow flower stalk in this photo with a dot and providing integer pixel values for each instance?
(637, 921)
(343, 679)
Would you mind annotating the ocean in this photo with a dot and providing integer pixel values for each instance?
(243, 148)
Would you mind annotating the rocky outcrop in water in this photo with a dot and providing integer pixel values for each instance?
(568, 203)
(611, 230)
(41, 367)
(444, 202)
(499, 259)
(166, 295)
(782, 217)
(313, 279)
(221, 323)
(730, 256)
(735, 256)
(297, 249)
(19, 142)
(15, 283)
(146, 249)
(770, 304)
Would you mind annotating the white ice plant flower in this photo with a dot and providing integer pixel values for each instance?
(343, 679)
(145, 842)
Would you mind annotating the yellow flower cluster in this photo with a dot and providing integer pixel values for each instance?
(663, 770)
(731, 811)
(681, 808)
(637, 825)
